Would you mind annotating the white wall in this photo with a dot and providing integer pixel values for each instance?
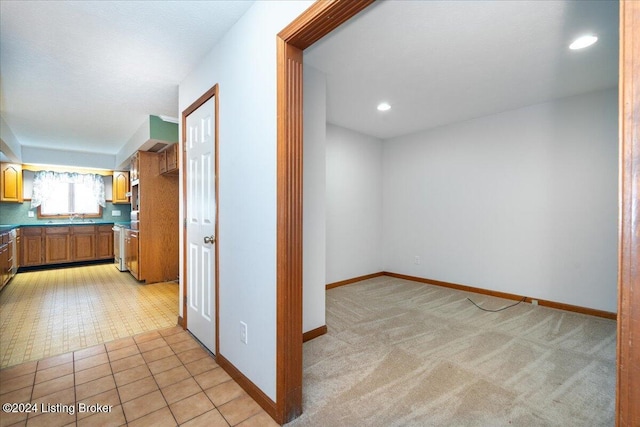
(243, 63)
(523, 202)
(9, 144)
(354, 204)
(313, 215)
(33, 155)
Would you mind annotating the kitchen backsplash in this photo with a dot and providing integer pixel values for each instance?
(18, 213)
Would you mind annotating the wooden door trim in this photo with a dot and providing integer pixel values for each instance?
(628, 351)
(213, 92)
(313, 24)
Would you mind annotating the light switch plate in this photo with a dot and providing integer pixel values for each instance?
(31, 214)
(115, 213)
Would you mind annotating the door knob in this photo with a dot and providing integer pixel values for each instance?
(209, 239)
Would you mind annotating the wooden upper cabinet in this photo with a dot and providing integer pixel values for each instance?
(11, 183)
(120, 187)
(162, 162)
(172, 158)
(134, 167)
(168, 160)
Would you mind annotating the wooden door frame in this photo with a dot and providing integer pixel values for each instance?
(313, 24)
(628, 351)
(211, 93)
(316, 22)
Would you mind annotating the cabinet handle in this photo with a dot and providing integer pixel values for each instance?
(209, 239)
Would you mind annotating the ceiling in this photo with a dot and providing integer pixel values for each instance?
(84, 75)
(440, 62)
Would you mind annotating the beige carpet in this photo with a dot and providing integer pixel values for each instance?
(400, 353)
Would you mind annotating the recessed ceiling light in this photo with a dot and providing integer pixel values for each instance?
(582, 42)
(383, 106)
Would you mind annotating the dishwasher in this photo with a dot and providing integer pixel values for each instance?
(119, 247)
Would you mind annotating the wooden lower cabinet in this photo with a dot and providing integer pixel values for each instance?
(83, 243)
(59, 245)
(32, 246)
(8, 255)
(18, 254)
(104, 249)
(5, 262)
(133, 253)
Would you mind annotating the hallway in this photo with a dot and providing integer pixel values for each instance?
(93, 335)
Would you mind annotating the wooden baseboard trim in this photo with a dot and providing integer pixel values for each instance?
(314, 333)
(354, 280)
(258, 395)
(180, 321)
(576, 309)
(546, 303)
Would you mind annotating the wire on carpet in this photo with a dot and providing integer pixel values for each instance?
(500, 309)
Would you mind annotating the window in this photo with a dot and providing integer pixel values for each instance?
(63, 193)
(70, 199)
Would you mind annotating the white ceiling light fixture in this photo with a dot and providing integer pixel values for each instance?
(583, 41)
(384, 106)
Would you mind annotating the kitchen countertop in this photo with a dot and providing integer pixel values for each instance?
(7, 227)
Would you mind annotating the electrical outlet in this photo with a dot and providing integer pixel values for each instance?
(243, 332)
(115, 213)
(31, 214)
(417, 260)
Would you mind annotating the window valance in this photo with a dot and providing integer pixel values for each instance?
(44, 183)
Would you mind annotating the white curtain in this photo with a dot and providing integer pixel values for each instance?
(44, 182)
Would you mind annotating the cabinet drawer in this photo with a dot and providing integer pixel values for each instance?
(32, 231)
(105, 228)
(56, 230)
(84, 229)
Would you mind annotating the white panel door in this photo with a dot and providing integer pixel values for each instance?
(201, 224)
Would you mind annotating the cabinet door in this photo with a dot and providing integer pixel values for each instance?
(134, 167)
(172, 158)
(18, 251)
(120, 187)
(162, 162)
(31, 247)
(57, 245)
(133, 253)
(4, 265)
(11, 183)
(105, 242)
(83, 242)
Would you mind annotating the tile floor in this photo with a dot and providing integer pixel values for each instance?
(157, 378)
(54, 311)
(92, 335)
